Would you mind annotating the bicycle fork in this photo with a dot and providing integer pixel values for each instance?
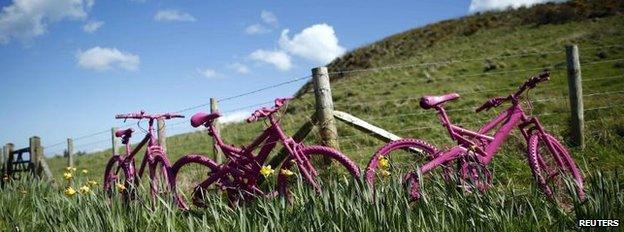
(303, 163)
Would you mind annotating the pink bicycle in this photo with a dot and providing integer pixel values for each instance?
(550, 162)
(238, 176)
(155, 159)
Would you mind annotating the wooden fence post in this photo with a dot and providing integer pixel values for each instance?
(3, 161)
(70, 152)
(41, 168)
(575, 91)
(218, 154)
(35, 156)
(9, 158)
(324, 107)
(162, 133)
(114, 147)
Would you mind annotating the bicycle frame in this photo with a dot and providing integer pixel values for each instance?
(153, 146)
(509, 119)
(242, 163)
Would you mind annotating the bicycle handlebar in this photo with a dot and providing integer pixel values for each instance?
(529, 84)
(142, 115)
(264, 111)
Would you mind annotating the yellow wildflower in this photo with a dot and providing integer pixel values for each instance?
(92, 183)
(68, 176)
(286, 172)
(74, 169)
(68, 169)
(385, 173)
(70, 192)
(85, 189)
(383, 163)
(266, 171)
(85, 171)
(120, 187)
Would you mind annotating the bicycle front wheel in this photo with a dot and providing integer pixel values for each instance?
(197, 164)
(554, 169)
(159, 175)
(403, 150)
(308, 172)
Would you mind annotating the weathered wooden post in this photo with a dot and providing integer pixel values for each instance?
(3, 161)
(214, 107)
(70, 152)
(114, 147)
(41, 168)
(162, 133)
(35, 156)
(324, 107)
(9, 158)
(575, 91)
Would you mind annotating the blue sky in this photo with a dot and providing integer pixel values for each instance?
(68, 66)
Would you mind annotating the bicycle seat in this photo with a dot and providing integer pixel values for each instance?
(199, 119)
(428, 102)
(124, 133)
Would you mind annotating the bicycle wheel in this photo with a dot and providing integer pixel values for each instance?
(307, 170)
(187, 161)
(119, 176)
(403, 150)
(554, 169)
(159, 175)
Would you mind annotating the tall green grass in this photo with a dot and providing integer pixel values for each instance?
(342, 206)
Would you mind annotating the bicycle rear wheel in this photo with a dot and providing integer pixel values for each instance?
(119, 176)
(307, 170)
(554, 170)
(200, 162)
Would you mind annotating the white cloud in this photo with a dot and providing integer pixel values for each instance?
(317, 43)
(240, 68)
(486, 5)
(234, 117)
(256, 29)
(26, 19)
(268, 18)
(173, 15)
(280, 59)
(92, 26)
(98, 58)
(208, 73)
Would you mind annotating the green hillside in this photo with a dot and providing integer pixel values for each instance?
(478, 56)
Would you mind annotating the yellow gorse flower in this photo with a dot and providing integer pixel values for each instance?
(85, 189)
(85, 171)
(70, 192)
(68, 176)
(92, 183)
(286, 172)
(266, 171)
(120, 187)
(384, 163)
(385, 173)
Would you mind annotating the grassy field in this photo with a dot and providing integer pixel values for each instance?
(35, 206)
(479, 57)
